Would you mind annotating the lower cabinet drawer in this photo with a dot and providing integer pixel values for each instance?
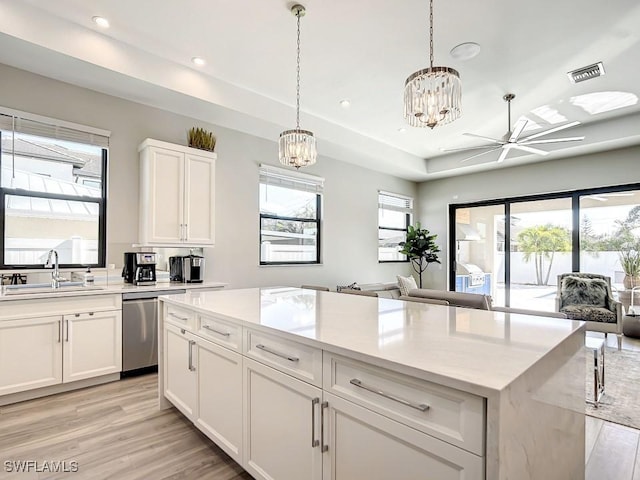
(220, 331)
(296, 359)
(448, 414)
(181, 317)
(361, 444)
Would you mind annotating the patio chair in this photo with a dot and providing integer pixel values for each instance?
(588, 297)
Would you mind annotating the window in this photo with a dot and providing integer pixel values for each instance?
(290, 212)
(394, 217)
(52, 191)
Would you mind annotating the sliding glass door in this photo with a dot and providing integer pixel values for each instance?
(609, 231)
(540, 251)
(517, 262)
(479, 251)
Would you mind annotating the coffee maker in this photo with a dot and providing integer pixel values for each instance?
(187, 268)
(139, 268)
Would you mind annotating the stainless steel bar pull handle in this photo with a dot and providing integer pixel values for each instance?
(191, 366)
(184, 319)
(418, 406)
(291, 358)
(219, 332)
(67, 336)
(59, 331)
(314, 441)
(324, 447)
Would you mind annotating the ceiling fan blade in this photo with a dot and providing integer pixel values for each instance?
(551, 140)
(488, 139)
(524, 148)
(479, 154)
(503, 155)
(518, 129)
(551, 130)
(448, 150)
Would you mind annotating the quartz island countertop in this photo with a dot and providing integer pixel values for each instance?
(480, 351)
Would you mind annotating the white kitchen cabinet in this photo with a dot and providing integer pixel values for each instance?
(30, 353)
(282, 425)
(180, 374)
(177, 195)
(81, 338)
(219, 413)
(359, 443)
(92, 344)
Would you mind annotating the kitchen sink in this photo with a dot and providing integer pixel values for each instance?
(34, 288)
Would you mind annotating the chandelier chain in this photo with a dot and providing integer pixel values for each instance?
(431, 32)
(298, 76)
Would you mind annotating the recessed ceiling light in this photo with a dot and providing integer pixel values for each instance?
(198, 61)
(465, 51)
(402, 129)
(101, 21)
(345, 103)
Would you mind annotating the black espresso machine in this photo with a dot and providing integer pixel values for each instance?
(187, 268)
(139, 268)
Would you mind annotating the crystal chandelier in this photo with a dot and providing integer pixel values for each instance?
(297, 148)
(432, 96)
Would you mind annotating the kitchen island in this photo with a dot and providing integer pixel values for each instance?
(301, 384)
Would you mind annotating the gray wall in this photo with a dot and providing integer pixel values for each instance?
(615, 167)
(350, 201)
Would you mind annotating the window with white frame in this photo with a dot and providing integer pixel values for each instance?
(395, 214)
(52, 191)
(290, 213)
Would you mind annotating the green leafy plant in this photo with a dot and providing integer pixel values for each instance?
(630, 259)
(420, 248)
(202, 139)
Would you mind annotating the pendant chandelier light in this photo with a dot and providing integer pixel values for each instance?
(297, 148)
(432, 96)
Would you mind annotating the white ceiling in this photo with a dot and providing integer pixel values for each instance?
(361, 50)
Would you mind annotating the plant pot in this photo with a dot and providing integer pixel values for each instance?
(629, 282)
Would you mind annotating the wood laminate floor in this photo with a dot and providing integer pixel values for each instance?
(115, 431)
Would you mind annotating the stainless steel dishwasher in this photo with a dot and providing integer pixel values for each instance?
(140, 330)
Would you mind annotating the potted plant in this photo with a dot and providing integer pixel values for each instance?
(202, 139)
(420, 248)
(630, 261)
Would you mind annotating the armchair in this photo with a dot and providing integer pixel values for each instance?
(588, 297)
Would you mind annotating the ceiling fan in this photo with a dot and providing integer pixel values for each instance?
(603, 197)
(512, 140)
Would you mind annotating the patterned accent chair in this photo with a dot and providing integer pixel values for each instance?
(588, 297)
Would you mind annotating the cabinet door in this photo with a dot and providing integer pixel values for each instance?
(220, 396)
(364, 444)
(282, 418)
(92, 344)
(162, 184)
(180, 376)
(200, 183)
(30, 354)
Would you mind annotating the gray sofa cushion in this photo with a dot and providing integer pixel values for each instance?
(589, 313)
(456, 299)
(584, 291)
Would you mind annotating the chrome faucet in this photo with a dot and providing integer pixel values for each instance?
(55, 275)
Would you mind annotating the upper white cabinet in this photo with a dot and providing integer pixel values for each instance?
(177, 195)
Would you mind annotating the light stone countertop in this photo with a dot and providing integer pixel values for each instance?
(107, 289)
(475, 350)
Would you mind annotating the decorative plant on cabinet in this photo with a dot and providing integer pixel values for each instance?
(420, 248)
